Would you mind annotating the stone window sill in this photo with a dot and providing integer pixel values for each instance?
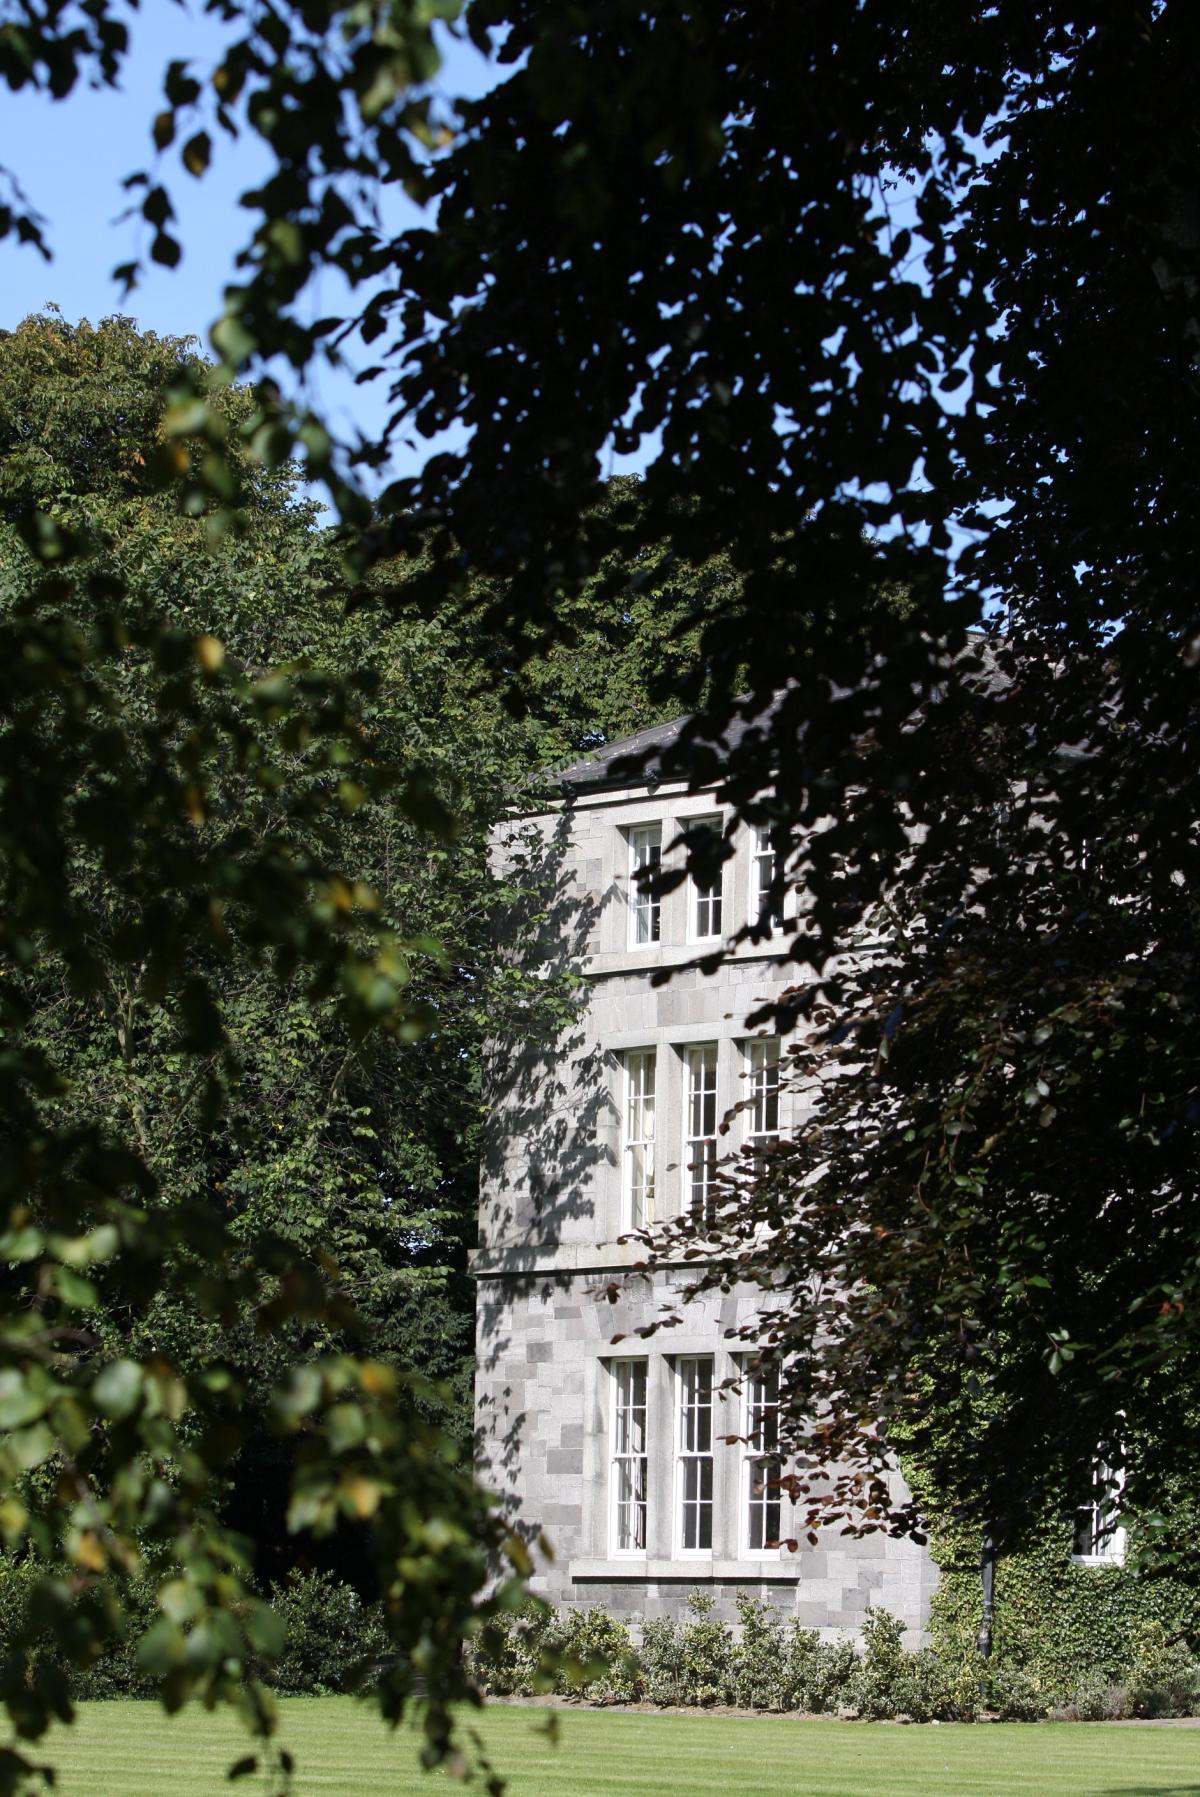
(686, 1572)
(646, 956)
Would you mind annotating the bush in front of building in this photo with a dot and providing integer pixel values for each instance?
(1014, 1694)
(687, 1663)
(509, 1658)
(887, 1681)
(878, 1678)
(769, 1663)
(1164, 1679)
(1094, 1699)
(538, 1651)
(598, 1657)
(766, 1662)
(1075, 1625)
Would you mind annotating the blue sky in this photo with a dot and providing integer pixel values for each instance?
(71, 158)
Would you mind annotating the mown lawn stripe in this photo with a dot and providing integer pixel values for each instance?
(133, 1750)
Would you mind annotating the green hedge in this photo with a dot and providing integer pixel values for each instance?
(1073, 1640)
(331, 1638)
(770, 1663)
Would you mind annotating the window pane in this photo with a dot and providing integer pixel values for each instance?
(630, 1465)
(631, 1506)
(1098, 1531)
(767, 863)
(706, 882)
(763, 1516)
(695, 1417)
(762, 1466)
(697, 1504)
(762, 1114)
(762, 1409)
(631, 1407)
(694, 1475)
(645, 907)
(638, 1146)
(700, 1146)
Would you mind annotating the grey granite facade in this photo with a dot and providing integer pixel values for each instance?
(611, 1448)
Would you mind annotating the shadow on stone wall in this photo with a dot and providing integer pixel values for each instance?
(546, 1098)
(546, 1094)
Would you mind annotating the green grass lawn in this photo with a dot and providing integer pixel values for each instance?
(132, 1750)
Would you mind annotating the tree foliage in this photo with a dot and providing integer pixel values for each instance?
(241, 1083)
(304, 1140)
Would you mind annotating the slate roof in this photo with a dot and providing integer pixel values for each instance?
(671, 752)
(664, 752)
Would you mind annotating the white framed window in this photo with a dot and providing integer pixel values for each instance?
(694, 1454)
(705, 888)
(1099, 1538)
(765, 863)
(761, 1464)
(639, 1068)
(629, 1467)
(700, 1133)
(645, 907)
(762, 1097)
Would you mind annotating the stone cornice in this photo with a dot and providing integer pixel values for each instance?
(527, 1259)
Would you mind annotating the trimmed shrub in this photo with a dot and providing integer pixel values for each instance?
(659, 1658)
(706, 1655)
(1164, 1680)
(875, 1689)
(536, 1651)
(820, 1673)
(692, 1663)
(332, 1640)
(1015, 1694)
(598, 1657)
(760, 1665)
(776, 1665)
(509, 1659)
(924, 1688)
(1094, 1700)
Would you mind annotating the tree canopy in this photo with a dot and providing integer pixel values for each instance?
(215, 1179)
(299, 1142)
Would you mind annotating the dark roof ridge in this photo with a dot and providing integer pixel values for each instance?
(644, 759)
(650, 757)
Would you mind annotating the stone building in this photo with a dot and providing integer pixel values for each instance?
(610, 1448)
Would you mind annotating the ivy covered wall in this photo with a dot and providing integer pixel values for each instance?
(1065, 1620)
